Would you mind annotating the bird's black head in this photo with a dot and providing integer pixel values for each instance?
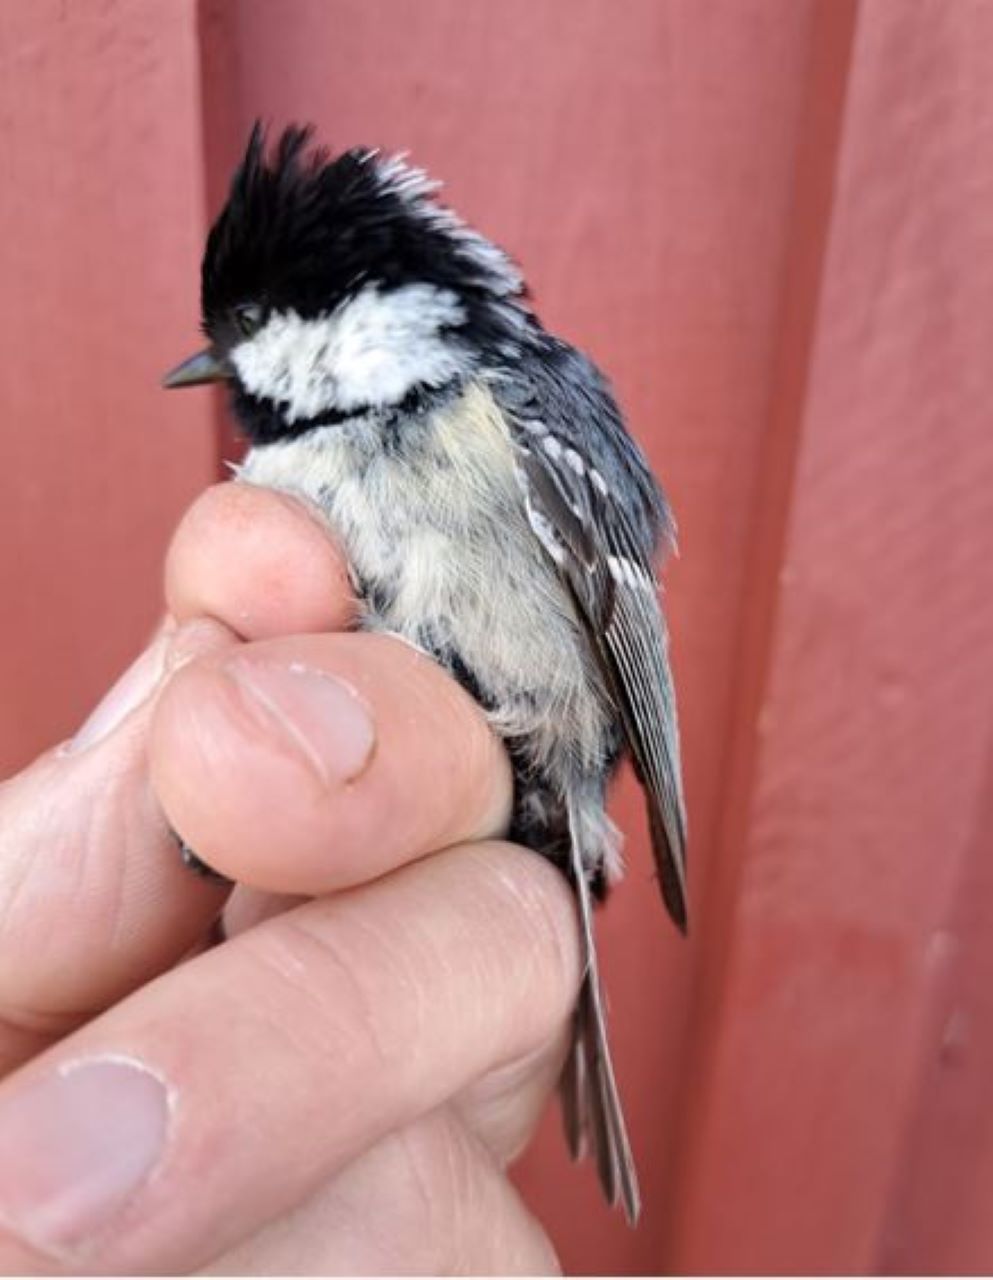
(336, 286)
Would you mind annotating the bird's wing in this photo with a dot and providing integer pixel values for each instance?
(595, 508)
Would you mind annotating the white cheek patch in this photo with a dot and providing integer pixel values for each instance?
(368, 353)
(287, 361)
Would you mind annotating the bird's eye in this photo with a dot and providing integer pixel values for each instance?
(248, 318)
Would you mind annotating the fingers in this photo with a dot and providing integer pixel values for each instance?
(93, 899)
(427, 1200)
(222, 1095)
(260, 562)
(310, 763)
(90, 886)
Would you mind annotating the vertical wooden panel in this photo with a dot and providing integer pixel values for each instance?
(638, 159)
(100, 227)
(852, 979)
(940, 1215)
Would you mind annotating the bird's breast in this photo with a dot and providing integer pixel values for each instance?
(433, 521)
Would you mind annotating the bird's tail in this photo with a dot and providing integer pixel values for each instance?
(591, 1106)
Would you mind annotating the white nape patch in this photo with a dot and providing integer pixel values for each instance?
(418, 191)
(629, 574)
(369, 352)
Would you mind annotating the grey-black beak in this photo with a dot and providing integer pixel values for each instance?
(205, 366)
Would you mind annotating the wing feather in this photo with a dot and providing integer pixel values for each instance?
(571, 444)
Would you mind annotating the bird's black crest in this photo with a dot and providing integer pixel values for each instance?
(302, 229)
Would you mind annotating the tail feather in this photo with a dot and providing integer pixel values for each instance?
(573, 1093)
(668, 846)
(591, 1103)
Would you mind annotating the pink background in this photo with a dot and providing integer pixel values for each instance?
(770, 221)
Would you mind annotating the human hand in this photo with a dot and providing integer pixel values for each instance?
(339, 1085)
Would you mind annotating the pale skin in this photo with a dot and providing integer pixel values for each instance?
(339, 1086)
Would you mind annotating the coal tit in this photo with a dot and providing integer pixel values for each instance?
(384, 361)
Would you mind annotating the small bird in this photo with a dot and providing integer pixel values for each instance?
(385, 362)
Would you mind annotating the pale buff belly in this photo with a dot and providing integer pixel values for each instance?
(441, 549)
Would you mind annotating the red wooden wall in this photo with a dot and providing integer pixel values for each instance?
(101, 213)
(770, 221)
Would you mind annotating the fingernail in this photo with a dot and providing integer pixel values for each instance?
(129, 692)
(323, 719)
(75, 1145)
